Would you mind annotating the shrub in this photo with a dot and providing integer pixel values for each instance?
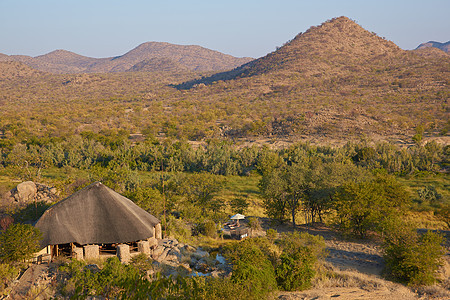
(109, 282)
(411, 258)
(18, 243)
(271, 234)
(210, 229)
(254, 223)
(252, 268)
(296, 267)
(142, 262)
(295, 270)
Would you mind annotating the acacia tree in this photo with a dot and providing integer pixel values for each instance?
(283, 190)
(200, 190)
(273, 190)
(322, 180)
(368, 205)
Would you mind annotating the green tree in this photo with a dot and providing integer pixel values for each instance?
(367, 205)
(239, 204)
(273, 190)
(18, 243)
(411, 258)
(252, 268)
(200, 189)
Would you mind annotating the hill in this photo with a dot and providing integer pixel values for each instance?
(330, 47)
(337, 77)
(12, 70)
(431, 44)
(194, 58)
(334, 83)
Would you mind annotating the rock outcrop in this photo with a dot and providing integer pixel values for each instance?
(28, 192)
(172, 258)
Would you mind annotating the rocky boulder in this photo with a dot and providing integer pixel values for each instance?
(25, 192)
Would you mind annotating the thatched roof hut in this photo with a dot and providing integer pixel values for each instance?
(95, 215)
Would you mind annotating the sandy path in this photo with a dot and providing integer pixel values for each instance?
(26, 281)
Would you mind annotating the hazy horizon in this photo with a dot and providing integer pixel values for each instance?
(239, 28)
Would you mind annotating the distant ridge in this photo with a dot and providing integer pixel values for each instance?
(193, 58)
(432, 44)
(11, 70)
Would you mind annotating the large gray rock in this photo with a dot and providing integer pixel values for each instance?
(26, 191)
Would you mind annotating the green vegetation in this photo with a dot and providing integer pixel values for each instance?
(258, 270)
(297, 264)
(18, 243)
(368, 205)
(411, 258)
(192, 157)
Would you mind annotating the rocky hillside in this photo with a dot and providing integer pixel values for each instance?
(335, 82)
(193, 58)
(158, 64)
(431, 44)
(339, 77)
(12, 70)
(336, 46)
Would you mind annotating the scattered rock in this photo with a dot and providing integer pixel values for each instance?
(200, 254)
(172, 257)
(27, 192)
(158, 251)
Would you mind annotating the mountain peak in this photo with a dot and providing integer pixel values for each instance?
(57, 54)
(339, 38)
(432, 44)
(339, 41)
(335, 44)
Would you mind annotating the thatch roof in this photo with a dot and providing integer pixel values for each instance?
(95, 215)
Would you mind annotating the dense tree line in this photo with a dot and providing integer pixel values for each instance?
(88, 150)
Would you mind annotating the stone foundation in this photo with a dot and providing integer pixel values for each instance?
(123, 253)
(77, 253)
(158, 231)
(91, 252)
(144, 247)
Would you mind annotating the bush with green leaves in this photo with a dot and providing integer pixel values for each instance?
(412, 258)
(254, 223)
(295, 270)
(296, 266)
(365, 206)
(210, 229)
(252, 266)
(18, 243)
(107, 282)
(118, 281)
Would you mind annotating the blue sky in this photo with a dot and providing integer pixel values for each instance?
(100, 28)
